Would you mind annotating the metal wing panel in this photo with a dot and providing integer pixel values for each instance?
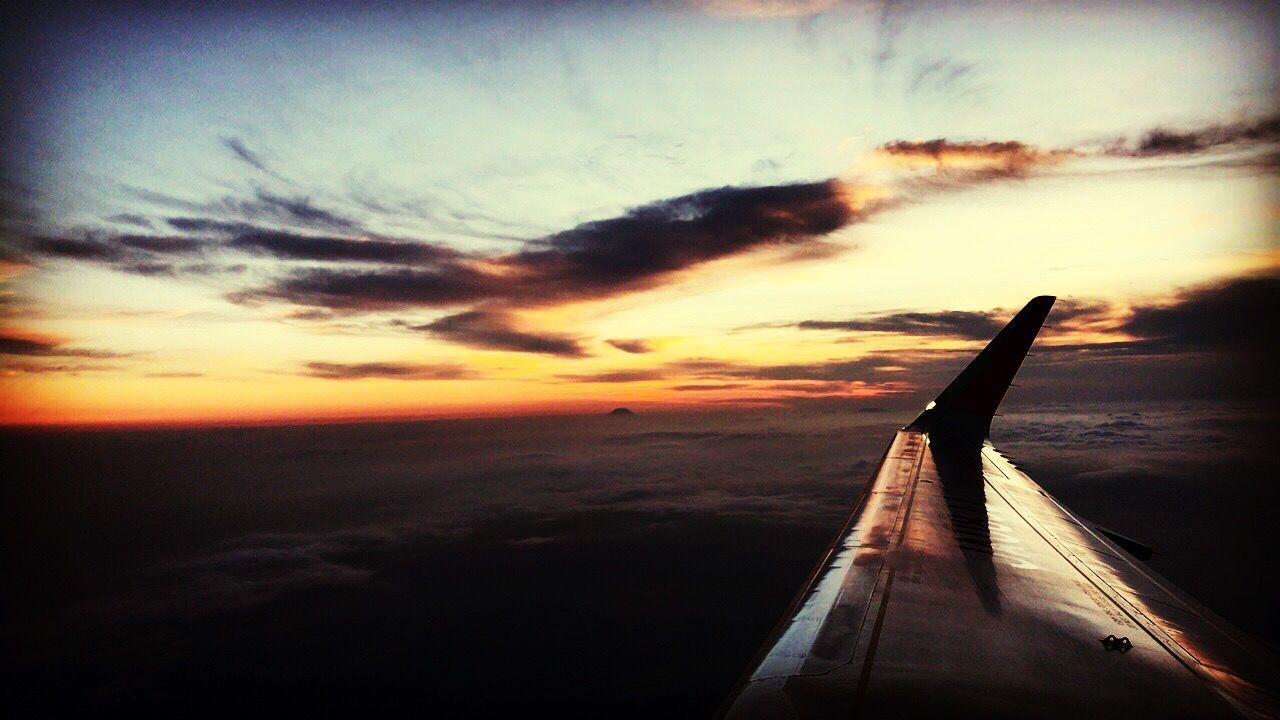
(1236, 664)
(960, 587)
(820, 634)
(975, 591)
(831, 614)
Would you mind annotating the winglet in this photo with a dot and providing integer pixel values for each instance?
(966, 407)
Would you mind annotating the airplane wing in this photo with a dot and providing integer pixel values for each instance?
(959, 587)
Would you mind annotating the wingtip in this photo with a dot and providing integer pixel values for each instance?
(966, 406)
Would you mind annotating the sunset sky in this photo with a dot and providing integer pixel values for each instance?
(311, 314)
(220, 215)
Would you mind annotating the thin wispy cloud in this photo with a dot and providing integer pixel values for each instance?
(948, 322)
(207, 225)
(50, 347)
(239, 150)
(298, 209)
(130, 219)
(940, 76)
(387, 371)
(258, 206)
(1166, 141)
(294, 246)
(30, 354)
(1068, 315)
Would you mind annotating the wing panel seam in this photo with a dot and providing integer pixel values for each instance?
(1188, 661)
(864, 677)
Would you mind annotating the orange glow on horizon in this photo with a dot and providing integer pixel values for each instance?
(52, 418)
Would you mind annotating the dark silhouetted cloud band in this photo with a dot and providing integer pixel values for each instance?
(391, 371)
(495, 331)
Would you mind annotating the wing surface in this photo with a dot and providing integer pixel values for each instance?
(959, 587)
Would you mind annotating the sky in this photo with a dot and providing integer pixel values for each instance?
(283, 212)
(358, 286)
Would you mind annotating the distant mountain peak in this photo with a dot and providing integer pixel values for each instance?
(621, 412)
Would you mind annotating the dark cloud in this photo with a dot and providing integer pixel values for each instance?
(494, 331)
(130, 219)
(1210, 341)
(865, 368)
(977, 325)
(208, 268)
(155, 255)
(293, 246)
(960, 163)
(149, 269)
(75, 249)
(618, 376)
(635, 347)
(298, 209)
(42, 347)
(1165, 141)
(656, 240)
(208, 225)
(940, 76)
(941, 148)
(10, 255)
(10, 345)
(707, 387)
(353, 290)
(292, 211)
(874, 366)
(1235, 313)
(1077, 312)
(829, 387)
(170, 201)
(310, 314)
(148, 255)
(55, 368)
(641, 249)
(238, 148)
(392, 371)
(165, 245)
